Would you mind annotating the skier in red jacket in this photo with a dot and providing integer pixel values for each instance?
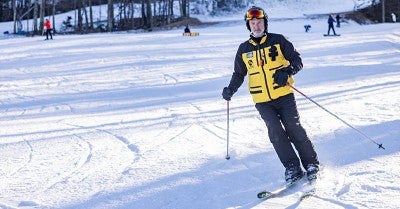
(47, 26)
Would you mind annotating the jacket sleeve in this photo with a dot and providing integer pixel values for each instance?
(292, 55)
(240, 71)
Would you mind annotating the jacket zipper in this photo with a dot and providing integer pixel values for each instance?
(262, 58)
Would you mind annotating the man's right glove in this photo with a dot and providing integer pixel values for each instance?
(227, 93)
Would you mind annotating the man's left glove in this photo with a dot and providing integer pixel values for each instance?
(227, 93)
(281, 76)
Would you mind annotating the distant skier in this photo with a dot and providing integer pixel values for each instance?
(269, 61)
(187, 30)
(330, 25)
(394, 17)
(47, 26)
(307, 27)
(338, 21)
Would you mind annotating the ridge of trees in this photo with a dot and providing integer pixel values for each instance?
(136, 14)
(151, 13)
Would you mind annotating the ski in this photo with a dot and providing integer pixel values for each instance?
(310, 190)
(332, 35)
(276, 193)
(307, 194)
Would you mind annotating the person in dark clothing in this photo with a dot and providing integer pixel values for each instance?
(269, 61)
(307, 27)
(187, 30)
(330, 25)
(338, 20)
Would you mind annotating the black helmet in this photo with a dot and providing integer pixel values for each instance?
(256, 12)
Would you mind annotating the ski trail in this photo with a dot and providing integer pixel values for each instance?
(30, 156)
(133, 148)
(168, 79)
(4, 206)
(85, 159)
(323, 202)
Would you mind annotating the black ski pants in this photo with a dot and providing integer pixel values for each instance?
(330, 26)
(284, 129)
(48, 32)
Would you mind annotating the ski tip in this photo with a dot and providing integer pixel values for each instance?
(307, 194)
(263, 194)
(303, 197)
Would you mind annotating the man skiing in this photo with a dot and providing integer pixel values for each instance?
(270, 61)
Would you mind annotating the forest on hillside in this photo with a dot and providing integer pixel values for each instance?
(138, 14)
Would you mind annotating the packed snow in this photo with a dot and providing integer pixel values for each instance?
(136, 120)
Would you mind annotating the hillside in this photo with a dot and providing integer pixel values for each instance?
(136, 120)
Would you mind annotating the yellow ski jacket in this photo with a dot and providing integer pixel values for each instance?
(259, 60)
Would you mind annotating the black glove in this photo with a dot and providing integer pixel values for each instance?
(227, 93)
(281, 76)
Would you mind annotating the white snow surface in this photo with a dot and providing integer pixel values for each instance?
(136, 120)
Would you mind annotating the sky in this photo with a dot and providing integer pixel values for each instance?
(136, 120)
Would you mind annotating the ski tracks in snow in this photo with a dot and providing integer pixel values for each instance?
(84, 159)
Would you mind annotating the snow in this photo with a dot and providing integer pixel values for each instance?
(136, 120)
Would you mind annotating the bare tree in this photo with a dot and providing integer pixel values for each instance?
(35, 16)
(149, 15)
(54, 14)
(14, 6)
(132, 9)
(42, 6)
(86, 15)
(91, 14)
(184, 6)
(79, 14)
(169, 11)
(110, 15)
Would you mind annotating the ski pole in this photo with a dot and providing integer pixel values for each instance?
(227, 130)
(337, 117)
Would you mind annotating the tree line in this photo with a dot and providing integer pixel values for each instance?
(120, 14)
(131, 14)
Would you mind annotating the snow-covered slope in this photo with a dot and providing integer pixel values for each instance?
(137, 120)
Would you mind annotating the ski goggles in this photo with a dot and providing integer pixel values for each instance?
(255, 13)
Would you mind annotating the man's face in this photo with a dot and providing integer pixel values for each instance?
(257, 27)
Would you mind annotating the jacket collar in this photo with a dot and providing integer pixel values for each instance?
(258, 41)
